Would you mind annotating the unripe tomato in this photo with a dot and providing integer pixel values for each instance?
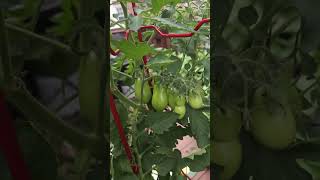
(181, 110)
(171, 99)
(195, 101)
(89, 88)
(146, 91)
(276, 130)
(180, 100)
(227, 154)
(227, 125)
(159, 98)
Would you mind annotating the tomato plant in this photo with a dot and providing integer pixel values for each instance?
(266, 90)
(53, 41)
(174, 72)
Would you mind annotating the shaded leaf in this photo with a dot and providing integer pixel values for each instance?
(311, 166)
(248, 15)
(133, 51)
(135, 22)
(200, 162)
(160, 122)
(40, 157)
(173, 24)
(160, 60)
(200, 126)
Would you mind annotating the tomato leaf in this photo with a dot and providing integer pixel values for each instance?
(311, 166)
(166, 165)
(133, 51)
(40, 157)
(114, 135)
(135, 22)
(200, 126)
(160, 122)
(248, 15)
(169, 139)
(173, 24)
(200, 162)
(160, 60)
(64, 20)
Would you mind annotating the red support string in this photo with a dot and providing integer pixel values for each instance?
(170, 35)
(9, 144)
(122, 135)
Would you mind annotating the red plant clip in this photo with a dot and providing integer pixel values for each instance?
(170, 35)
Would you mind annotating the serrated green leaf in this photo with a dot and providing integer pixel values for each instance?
(166, 166)
(199, 163)
(173, 24)
(196, 152)
(150, 159)
(40, 158)
(124, 164)
(248, 15)
(157, 5)
(169, 139)
(311, 166)
(135, 22)
(200, 126)
(64, 20)
(175, 67)
(160, 122)
(114, 134)
(133, 51)
(160, 60)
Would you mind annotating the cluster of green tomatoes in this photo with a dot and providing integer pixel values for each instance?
(162, 96)
(272, 124)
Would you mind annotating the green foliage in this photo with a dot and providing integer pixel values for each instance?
(263, 45)
(39, 156)
(153, 134)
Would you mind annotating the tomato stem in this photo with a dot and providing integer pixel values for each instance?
(32, 35)
(5, 51)
(34, 111)
(125, 13)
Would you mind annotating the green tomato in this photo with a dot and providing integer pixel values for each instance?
(195, 101)
(146, 91)
(227, 154)
(180, 100)
(171, 99)
(226, 126)
(181, 110)
(89, 89)
(276, 130)
(159, 98)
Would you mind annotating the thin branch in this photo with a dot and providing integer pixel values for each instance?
(32, 35)
(5, 51)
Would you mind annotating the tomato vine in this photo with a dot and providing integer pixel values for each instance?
(152, 131)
